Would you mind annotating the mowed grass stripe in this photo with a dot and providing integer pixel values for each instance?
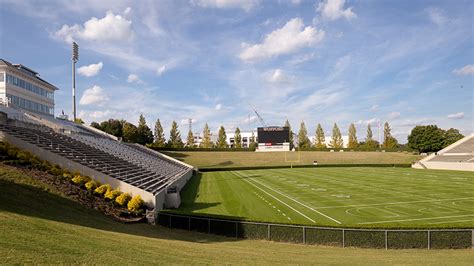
(373, 195)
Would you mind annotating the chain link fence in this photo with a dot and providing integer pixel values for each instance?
(340, 237)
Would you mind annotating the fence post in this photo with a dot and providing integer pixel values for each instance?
(236, 229)
(386, 240)
(269, 236)
(304, 235)
(343, 238)
(429, 239)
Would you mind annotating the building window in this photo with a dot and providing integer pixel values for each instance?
(2, 77)
(30, 105)
(29, 86)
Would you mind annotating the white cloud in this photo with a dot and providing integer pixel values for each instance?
(373, 121)
(250, 120)
(246, 5)
(466, 70)
(334, 9)
(374, 108)
(109, 28)
(186, 121)
(436, 16)
(456, 115)
(94, 95)
(300, 59)
(277, 76)
(394, 115)
(296, 2)
(218, 106)
(90, 70)
(133, 78)
(161, 70)
(288, 39)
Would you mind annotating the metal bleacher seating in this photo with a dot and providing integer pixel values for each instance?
(123, 162)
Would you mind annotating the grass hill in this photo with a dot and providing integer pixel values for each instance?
(38, 225)
(239, 159)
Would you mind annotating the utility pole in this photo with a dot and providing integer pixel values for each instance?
(190, 122)
(75, 58)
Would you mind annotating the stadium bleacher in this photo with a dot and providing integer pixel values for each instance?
(132, 164)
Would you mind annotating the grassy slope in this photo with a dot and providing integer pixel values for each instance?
(38, 225)
(227, 195)
(237, 159)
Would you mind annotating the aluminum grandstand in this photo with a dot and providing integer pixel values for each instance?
(131, 168)
(457, 156)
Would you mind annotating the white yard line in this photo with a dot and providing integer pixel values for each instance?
(393, 203)
(418, 219)
(275, 198)
(302, 204)
(458, 221)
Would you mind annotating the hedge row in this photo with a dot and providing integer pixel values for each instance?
(200, 149)
(252, 150)
(11, 155)
(214, 169)
(396, 239)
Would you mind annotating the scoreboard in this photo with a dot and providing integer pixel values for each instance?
(273, 135)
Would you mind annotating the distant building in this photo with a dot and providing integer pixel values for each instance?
(22, 87)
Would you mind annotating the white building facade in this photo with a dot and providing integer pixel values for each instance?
(22, 87)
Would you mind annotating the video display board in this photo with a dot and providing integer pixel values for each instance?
(273, 135)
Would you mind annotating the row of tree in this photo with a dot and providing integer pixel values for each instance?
(336, 142)
(422, 138)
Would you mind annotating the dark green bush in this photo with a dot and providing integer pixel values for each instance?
(407, 239)
(364, 239)
(252, 231)
(286, 233)
(327, 237)
(451, 239)
(225, 228)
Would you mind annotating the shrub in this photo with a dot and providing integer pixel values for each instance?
(101, 190)
(123, 199)
(112, 194)
(80, 180)
(67, 176)
(91, 185)
(135, 204)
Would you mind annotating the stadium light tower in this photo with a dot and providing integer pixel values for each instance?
(75, 58)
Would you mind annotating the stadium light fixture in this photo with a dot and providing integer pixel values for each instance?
(75, 58)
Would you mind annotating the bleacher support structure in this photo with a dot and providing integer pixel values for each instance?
(131, 168)
(457, 156)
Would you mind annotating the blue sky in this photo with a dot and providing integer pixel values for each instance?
(406, 62)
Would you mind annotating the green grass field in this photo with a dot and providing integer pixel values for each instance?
(40, 226)
(242, 159)
(336, 196)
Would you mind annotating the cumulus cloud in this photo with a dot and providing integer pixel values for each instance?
(133, 78)
(246, 5)
(161, 70)
(109, 28)
(218, 106)
(374, 108)
(90, 70)
(456, 115)
(250, 119)
(436, 16)
(334, 9)
(94, 95)
(288, 39)
(466, 70)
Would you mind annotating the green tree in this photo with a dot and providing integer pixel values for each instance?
(190, 139)
(145, 135)
(352, 144)
(159, 137)
(113, 127)
(175, 136)
(221, 141)
(450, 136)
(389, 142)
(426, 138)
(206, 137)
(320, 139)
(290, 132)
(237, 139)
(79, 121)
(253, 142)
(336, 138)
(303, 140)
(130, 132)
(370, 143)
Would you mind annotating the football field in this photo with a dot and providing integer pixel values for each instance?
(336, 196)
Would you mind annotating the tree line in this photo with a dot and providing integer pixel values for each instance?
(422, 138)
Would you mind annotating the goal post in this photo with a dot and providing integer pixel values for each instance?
(292, 157)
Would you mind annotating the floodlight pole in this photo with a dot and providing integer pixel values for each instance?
(75, 58)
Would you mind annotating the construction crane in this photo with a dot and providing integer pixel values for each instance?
(258, 116)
